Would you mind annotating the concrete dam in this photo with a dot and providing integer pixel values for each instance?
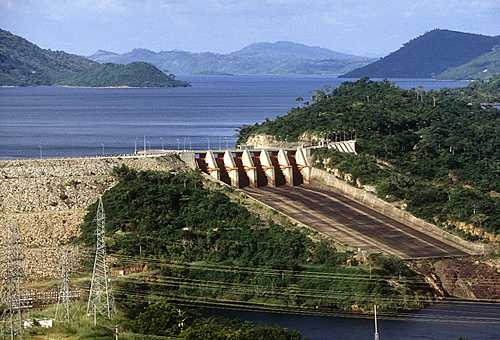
(284, 180)
(255, 168)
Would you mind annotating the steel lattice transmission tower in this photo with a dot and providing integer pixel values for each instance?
(64, 297)
(100, 296)
(12, 273)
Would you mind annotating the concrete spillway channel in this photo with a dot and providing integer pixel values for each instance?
(281, 180)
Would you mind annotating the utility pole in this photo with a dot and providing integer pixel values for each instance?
(135, 147)
(11, 264)
(40, 147)
(63, 297)
(376, 325)
(100, 296)
(144, 145)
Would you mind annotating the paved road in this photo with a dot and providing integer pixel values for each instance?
(352, 223)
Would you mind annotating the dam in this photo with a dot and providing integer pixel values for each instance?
(48, 198)
(284, 180)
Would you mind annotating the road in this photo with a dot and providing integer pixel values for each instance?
(352, 223)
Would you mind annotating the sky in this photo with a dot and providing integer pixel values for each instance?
(363, 27)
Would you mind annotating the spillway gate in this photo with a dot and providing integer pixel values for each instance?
(255, 168)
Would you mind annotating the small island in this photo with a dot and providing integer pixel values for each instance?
(137, 74)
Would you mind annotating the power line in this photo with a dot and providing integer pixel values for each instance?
(64, 294)
(100, 296)
(12, 259)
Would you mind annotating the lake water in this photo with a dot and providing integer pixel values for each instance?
(443, 321)
(58, 121)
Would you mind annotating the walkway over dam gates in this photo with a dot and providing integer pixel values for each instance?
(282, 179)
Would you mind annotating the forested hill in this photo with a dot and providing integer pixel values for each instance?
(23, 63)
(428, 55)
(483, 67)
(437, 152)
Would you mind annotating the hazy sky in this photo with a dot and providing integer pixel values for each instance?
(356, 26)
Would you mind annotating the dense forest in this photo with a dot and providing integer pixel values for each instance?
(436, 151)
(200, 246)
(23, 63)
(428, 55)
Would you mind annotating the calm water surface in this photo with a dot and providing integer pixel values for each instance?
(62, 121)
(444, 321)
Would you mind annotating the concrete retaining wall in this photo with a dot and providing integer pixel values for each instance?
(320, 177)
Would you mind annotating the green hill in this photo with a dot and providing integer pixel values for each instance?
(438, 152)
(23, 63)
(428, 55)
(136, 74)
(482, 67)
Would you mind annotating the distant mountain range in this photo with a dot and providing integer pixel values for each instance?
(282, 57)
(23, 63)
(441, 54)
(434, 54)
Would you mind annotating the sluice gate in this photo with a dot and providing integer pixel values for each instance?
(255, 168)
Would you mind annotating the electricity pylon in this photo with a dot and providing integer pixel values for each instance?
(100, 296)
(12, 272)
(63, 296)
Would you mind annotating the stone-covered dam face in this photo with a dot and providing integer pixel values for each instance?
(48, 199)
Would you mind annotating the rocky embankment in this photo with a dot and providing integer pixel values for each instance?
(47, 200)
(467, 278)
(269, 141)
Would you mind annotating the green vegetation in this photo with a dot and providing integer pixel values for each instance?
(428, 55)
(438, 151)
(478, 91)
(136, 74)
(157, 321)
(201, 247)
(25, 64)
(482, 67)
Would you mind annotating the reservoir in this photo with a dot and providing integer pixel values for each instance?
(62, 122)
(442, 321)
